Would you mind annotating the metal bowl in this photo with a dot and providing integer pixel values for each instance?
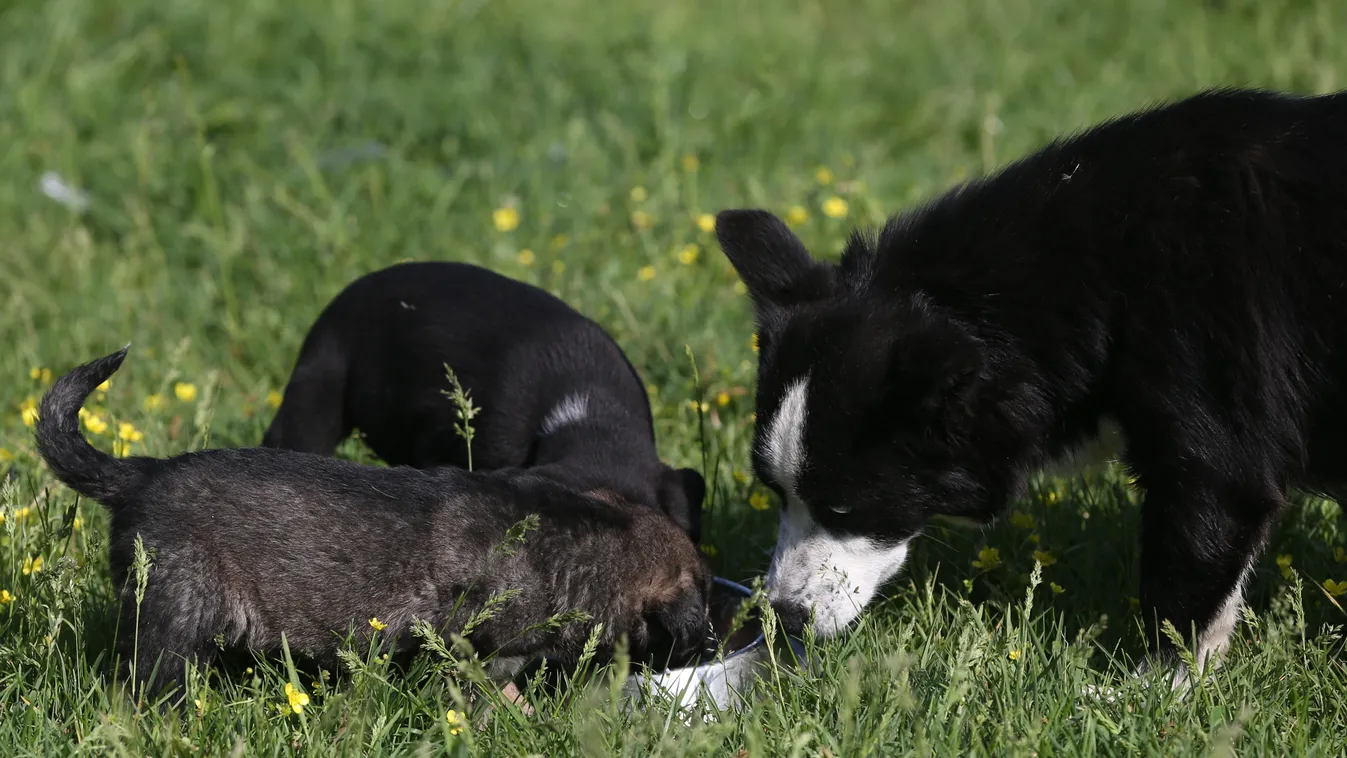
(722, 680)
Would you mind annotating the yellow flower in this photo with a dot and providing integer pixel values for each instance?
(709, 550)
(988, 558)
(185, 391)
(1284, 564)
(758, 501)
(1033, 539)
(690, 163)
(558, 266)
(297, 698)
(40, 375)
(723, 399)
(706, 222)
(824, 175)
(154, 402)
(1336, 589)
(835, 207)
(32, 565)
(796, 215)
(1050, 497)
(641, 220)
(753, 342)
(1340, 554)
(646, 273)
(695, 406)
(378, 625)
(274, 399)
(740, 288)
(76, 523)
(128, 432)
(741, 477)
(638, 194)
(95, 423)
(1022, 520)
(1015, 655)
(1134, 603)
(6, 456)
(455, 721)
(526, 257)
(559, 242)
(7, 597)
(506, 219)
(104, 386)
(688, 255)
(1056, 588)
(1045, 557)
(28, 409)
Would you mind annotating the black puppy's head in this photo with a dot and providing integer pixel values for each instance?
(863, 410)
(679, 493)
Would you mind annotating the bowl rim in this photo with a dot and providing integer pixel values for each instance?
(757, 641)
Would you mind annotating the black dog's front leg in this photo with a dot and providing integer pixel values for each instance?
(1200, 538)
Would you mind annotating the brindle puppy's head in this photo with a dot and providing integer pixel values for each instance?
(669, 598)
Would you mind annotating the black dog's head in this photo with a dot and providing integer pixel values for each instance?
(865, 408)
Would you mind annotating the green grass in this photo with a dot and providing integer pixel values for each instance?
(244, 160)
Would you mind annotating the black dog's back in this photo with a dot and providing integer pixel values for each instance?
(378, 352)
(375, 361)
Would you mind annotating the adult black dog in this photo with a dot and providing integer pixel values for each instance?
(556, 393)
(1181, 271)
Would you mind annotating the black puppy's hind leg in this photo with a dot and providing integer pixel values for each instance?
(312, 415)
(1201, 534)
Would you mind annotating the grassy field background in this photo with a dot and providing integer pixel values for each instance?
(243, 161)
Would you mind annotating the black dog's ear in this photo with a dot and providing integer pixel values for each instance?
(772, 261)
(681, 492)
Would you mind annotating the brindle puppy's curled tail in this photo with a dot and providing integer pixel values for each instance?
(81, 466)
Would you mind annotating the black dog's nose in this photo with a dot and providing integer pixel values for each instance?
(793, 617)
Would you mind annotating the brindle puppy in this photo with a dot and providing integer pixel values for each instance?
(254, 543)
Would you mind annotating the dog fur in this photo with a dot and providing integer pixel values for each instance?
(1181, 272)
(556, 392)
(254, 543)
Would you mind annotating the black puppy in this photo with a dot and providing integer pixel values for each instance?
(255, 543)
(556, 392)
(1181, 271)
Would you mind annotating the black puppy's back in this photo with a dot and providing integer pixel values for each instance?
(375, 361)
(377, 353)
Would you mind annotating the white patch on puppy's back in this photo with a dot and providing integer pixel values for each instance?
(784, 445)
(572, 409)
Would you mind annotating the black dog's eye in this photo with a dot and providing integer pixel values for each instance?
(844, 509)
